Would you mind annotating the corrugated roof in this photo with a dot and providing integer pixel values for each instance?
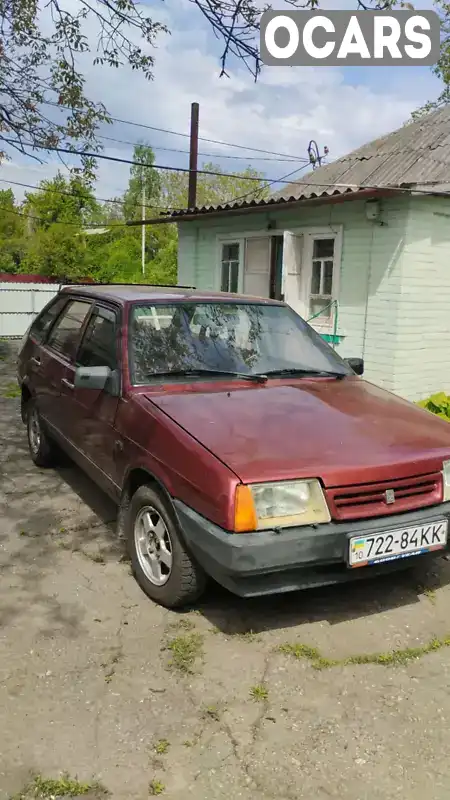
(415, 155)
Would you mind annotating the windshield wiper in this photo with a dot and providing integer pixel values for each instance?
(181, 373)
(298, 371)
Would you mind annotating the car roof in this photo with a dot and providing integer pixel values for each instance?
(131, 293)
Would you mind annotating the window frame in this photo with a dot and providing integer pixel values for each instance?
(70, 360)
(117, 311)
(322, 324)
(309, 234)
(230, 239)
(322, 296)
(54, 301)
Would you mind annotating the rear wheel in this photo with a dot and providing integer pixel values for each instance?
(161, 564)
(42, 449)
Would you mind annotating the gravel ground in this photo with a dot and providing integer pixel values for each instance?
(327, 694)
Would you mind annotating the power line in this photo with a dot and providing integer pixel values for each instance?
(205, 155)
(103, 157)
(184, 135)
(283, 179)
(74, 194)
(61, 222)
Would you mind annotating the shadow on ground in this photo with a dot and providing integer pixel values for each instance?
(331, 604)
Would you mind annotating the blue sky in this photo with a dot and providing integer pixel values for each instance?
(340, 108)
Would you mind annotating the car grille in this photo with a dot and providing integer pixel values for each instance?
(371, 499)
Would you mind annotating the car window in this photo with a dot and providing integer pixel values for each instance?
(65, 334)
(233, 337)
(45, 319)
(154, 317)
(99, 345)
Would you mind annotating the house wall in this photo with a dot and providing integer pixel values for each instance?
(370, 271)
(422, 358)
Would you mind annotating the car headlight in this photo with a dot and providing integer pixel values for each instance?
(446, 480)
(280, 505)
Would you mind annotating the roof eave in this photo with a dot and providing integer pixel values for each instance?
(341, 197)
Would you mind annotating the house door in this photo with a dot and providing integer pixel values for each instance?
(257, 266)
(293, 282)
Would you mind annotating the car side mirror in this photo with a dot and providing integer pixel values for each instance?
(97, 378)
(356, 364)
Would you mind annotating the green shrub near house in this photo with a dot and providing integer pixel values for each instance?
(438, 404)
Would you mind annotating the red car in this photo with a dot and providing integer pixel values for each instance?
(235, 441)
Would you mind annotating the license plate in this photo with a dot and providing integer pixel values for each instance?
(400, 543)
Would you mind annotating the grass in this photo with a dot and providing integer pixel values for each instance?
(182, 624)
(185, 650)
(248, 636)
(97, 558)
(259, 692)
(65, 786)
(110, 666)
(211, 712)
(12, 390)
(162, 746)
(391, 658)
(431, 594)
(156, 787)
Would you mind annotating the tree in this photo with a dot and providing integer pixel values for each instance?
(55, 216)
(442, 68)
(213, 189)
(40, 50)
(11, 233)
(141, 177)
(57, 251)
(68, 200)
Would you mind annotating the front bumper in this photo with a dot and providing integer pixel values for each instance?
(269, 562)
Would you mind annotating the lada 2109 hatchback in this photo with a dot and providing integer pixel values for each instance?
(236, 442)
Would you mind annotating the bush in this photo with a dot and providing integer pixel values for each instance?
(438, 404)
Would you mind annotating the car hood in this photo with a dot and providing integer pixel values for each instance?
(346, 431)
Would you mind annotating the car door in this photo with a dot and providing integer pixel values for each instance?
(94, 411)
(57, 356)
(33, 361)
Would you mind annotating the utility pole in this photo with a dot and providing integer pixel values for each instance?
(193, 157)
(143, 223)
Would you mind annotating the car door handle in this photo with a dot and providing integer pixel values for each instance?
(67, 383)
(36, 361)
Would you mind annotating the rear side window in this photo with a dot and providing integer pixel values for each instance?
(45, 319)
(65, 334)
(99, 345)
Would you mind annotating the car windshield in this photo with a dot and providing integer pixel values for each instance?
(244, 338)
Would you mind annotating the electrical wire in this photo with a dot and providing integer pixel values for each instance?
(74, 194)
(61, 222)
(103, 157)
(184, 135)
(270, 183)
(204, 155)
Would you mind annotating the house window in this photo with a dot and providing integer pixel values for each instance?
(321, 292)
(230, 268)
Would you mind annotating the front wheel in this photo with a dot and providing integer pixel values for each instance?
(42, 449)
(161, 565)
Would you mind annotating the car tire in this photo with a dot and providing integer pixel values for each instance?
(160, 562)
(42, 449)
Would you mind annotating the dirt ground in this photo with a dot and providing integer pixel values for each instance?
(339, 693)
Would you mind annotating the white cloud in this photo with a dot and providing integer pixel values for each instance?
(281, 112)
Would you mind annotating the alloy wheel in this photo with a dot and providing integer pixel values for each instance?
(153, 545)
